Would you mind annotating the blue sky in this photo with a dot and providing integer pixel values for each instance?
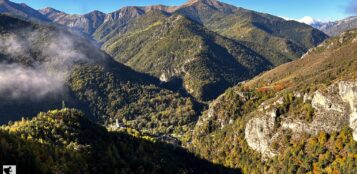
(294, 9)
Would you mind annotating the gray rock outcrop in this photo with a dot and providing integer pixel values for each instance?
(259, 132)
(334, 109)
(348, 93)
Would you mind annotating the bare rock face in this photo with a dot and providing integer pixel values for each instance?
(326, 103)
(331, 113)
(334, 109)
(348, 93)
(259, 133)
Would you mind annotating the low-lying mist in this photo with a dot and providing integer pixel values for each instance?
(17, 81)
(34, 64)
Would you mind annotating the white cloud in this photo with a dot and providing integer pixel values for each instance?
(308, 20)
(42, 77)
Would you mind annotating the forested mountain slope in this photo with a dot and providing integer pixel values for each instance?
(150, 42)
(66, 141)
(277, 39)
(298, 118)
(46, 68)
(175, 47)
(161, 68)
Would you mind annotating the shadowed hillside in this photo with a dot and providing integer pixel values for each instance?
(46, 68)
(65, 141)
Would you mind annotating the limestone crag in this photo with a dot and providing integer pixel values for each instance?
(348, 93)
(334, 109)
(259, 133)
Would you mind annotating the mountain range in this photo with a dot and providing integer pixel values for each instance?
(337, 27)
(331, 28)
(232, 52)
(116, 21)
(87, 23)
(204, 87)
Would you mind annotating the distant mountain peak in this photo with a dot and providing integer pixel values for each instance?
(160, 7)
(97, 11)
(49, 10)
(208, 5)
(207, 2)
(21, 10)
(131, 8)
(129, 11)
(203, 1)
(334, 28)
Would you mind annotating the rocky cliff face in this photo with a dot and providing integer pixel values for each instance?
(348, 93)
(334, 109)
(87, 23)
(259, 133)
